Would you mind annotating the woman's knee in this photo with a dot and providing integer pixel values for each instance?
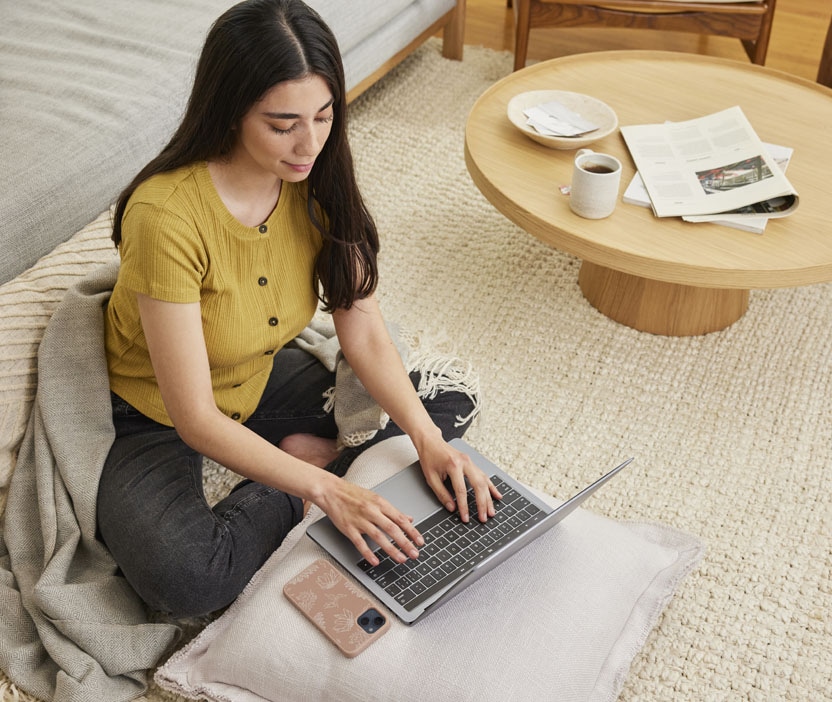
(204, 565)
(188, 589)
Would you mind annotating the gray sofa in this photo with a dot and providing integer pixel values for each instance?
(90, 90)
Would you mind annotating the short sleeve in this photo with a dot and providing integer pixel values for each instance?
(162, 254)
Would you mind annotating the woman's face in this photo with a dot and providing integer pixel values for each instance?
(282, 134)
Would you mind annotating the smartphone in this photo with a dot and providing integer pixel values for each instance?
(338, 607)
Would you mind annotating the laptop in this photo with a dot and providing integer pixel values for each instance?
(455, 554)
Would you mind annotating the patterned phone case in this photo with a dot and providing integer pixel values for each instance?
(342, 611)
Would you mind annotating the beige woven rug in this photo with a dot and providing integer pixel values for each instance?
(732, 432)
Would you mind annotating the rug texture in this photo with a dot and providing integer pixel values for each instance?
(732, 432)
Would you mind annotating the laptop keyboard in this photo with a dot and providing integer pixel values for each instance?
(452, 547)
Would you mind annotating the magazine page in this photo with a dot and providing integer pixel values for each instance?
(749, 220)
(706, 166)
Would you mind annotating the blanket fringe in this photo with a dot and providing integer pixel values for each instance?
(329, 400)
(357, 438)
(9, 692)
(442, 372)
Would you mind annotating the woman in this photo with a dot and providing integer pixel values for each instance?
(227, 239)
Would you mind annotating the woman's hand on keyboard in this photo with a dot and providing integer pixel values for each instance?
(442, 464)
(356, 511)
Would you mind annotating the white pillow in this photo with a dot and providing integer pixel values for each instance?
(561, 620)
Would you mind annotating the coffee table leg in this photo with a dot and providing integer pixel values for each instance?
(657, 307)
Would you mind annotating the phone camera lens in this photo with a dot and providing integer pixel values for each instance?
(371, 621)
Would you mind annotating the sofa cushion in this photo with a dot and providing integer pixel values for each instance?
(90, 91)
(353, 22)
(362, 60)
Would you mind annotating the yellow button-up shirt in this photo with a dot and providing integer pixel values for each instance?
(254, 285)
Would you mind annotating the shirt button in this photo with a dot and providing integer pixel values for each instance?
(235, 416)
(262, 229)
(269, 352)
(262, 280)
(272, 321)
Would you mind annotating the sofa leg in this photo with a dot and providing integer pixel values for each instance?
(453, 35)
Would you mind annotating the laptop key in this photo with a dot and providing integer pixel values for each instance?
(440, 585)
(386, 580)
(381, 568)
(441, 542)
(520, 503)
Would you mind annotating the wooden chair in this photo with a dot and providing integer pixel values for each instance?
(825, 70)
(748, 21)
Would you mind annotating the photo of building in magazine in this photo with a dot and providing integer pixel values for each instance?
(734, 175)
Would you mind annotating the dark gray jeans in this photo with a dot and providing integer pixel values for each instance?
(183, 557)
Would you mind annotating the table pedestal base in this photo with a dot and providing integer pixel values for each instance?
(657, 307)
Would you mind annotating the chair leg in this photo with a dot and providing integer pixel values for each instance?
(758, 48)
(522, 26)
(825, 69)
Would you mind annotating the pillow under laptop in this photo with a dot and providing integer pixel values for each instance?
(563, 619)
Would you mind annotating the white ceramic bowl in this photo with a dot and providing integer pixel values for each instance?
(588, 107)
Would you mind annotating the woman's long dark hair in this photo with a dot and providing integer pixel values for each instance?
(252, 47)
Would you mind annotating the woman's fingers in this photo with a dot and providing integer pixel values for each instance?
(462, 473)
(460, 493)
(393, 541)
(484, 492)
(372, 516)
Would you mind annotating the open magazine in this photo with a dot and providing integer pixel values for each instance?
(711, 168)
(750, 219)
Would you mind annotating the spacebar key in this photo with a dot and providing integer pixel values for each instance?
(440, 585)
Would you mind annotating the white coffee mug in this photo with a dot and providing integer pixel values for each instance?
(596, 179)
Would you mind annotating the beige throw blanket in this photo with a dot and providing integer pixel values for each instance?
(357, 415)
(71, 628)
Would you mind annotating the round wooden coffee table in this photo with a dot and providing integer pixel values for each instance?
(663, 275)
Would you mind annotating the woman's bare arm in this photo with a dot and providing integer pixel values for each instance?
(180, 362)
(374, 358)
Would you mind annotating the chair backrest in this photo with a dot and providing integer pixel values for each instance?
(748, 21)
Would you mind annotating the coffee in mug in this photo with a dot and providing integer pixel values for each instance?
(597, 168)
